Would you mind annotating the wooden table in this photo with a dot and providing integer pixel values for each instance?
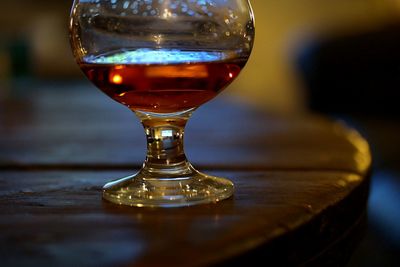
(302, 186)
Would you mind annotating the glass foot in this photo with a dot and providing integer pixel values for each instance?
(167, 179)
(140, 191)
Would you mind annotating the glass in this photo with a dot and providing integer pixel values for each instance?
(163, 59)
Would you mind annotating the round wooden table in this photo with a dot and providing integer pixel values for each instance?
(302, 186)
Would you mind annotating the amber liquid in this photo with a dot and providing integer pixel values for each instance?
(162, 83)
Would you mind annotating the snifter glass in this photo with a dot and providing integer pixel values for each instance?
(163, 59)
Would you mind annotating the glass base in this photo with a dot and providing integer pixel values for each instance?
(141, 191)
(167, 179)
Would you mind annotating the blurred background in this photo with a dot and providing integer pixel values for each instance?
(339, 58)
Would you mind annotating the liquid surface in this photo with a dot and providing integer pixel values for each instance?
(162, 81)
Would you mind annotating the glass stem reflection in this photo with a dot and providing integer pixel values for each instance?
(165, 153)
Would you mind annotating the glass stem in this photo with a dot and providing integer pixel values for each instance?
(165, 151)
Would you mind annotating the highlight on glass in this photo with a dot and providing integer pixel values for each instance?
(163, 59)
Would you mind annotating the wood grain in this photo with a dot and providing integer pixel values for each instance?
(302, 186)
(59, 218)
(82, 127)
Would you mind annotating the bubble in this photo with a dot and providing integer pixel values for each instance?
(126, 5)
